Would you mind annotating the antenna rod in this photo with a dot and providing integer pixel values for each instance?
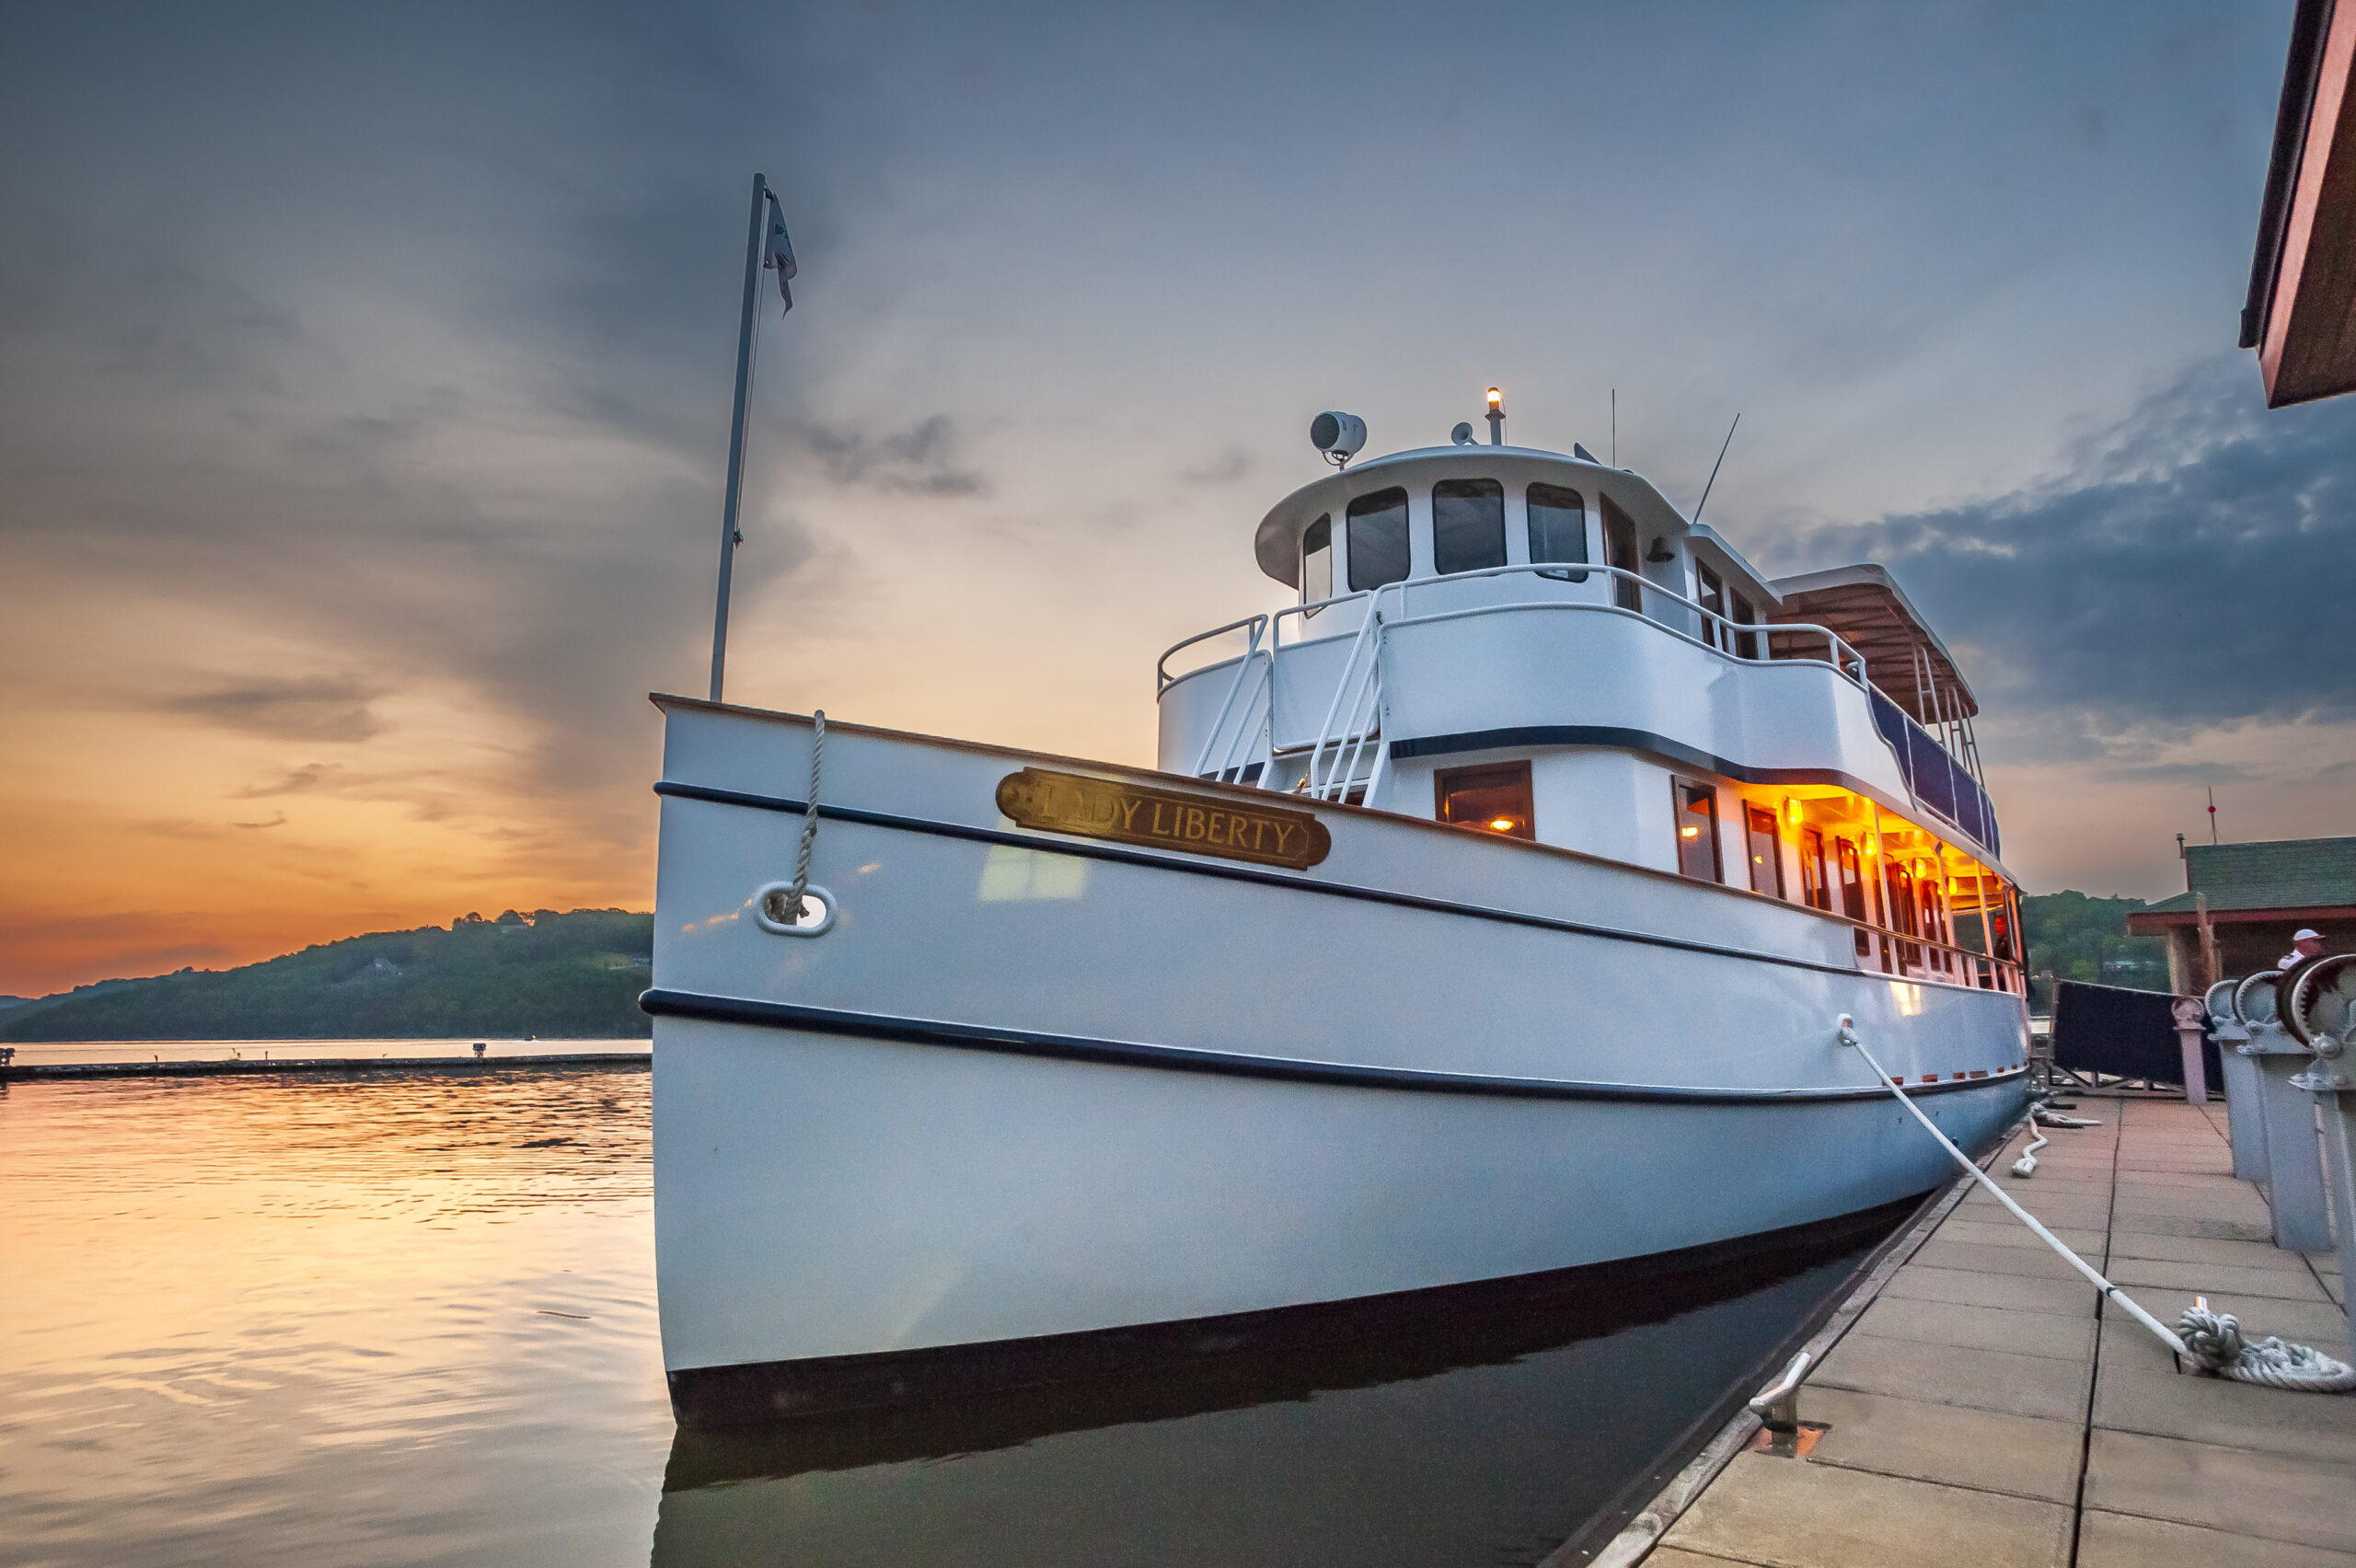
(2212, 815)
(729, 536)
(1714, 469)
(1615, 427)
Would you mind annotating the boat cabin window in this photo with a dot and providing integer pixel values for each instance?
(1468, 525)
(1557, 529)
(1813, 890)
(1317, 560)
(1766, 847)
(1852, 889)
(1713, 597)
(1493, 798)
(1697, 828)
(1620, 550)
(1378, 539)
(1745, 643)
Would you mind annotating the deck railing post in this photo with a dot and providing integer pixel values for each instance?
(2335, 1100)
(2244, 1115)
(2191, 1016)
(2293, 1159)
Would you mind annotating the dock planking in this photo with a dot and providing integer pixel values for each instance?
(1985, 1411)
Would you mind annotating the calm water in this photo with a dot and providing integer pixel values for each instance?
(409, 1319)
(38, 1052)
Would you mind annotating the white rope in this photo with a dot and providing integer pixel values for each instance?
(2038, 1118)
(794, 905)
(2212, 1341)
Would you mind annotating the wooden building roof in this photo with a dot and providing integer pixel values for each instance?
(2301, 312)
(2281, 879)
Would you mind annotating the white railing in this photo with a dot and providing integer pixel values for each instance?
(1352, 723)
(1357, 710)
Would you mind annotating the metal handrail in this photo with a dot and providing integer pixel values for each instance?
(1852, 666)
(1218, 722)
(1161, 676)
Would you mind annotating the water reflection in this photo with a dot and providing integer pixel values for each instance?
(386, 1319)
(409, 1318)
(1491, 1436)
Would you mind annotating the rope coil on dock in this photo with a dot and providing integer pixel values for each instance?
(2211, 1340)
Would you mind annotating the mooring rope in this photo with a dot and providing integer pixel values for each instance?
(2038, 1119)
(794, 905)
(2212, 1341)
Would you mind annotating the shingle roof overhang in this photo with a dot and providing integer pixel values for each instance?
(2300, 313)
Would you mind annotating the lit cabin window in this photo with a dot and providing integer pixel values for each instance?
(1378, 539)
(1493, 798)
(1557, 529)
(1814, 892)
(1468, 525)
(1766, 846)
(1317, 562)
(1697, 829)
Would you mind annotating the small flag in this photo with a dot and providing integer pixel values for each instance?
(779, 252)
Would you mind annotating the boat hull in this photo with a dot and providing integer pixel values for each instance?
(1029, 1092)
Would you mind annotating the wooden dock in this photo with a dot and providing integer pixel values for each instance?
(1982, 1411)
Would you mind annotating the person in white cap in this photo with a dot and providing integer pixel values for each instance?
(2304, 946)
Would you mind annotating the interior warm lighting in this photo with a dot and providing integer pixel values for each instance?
(1496, 396)
(1689, 833)
(1792, 809)
(1873, 846)
(1503, 824)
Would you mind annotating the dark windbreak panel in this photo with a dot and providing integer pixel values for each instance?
(1937, 779)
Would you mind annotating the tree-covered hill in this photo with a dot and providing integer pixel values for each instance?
(575, 975)
(2072, 936)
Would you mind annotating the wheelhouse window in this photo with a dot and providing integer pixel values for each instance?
(1766, 846)
(1713, 597)
(1468, 525)
(1495, 799)
(1620, 550)
(1745, 643)
(1317, 560)
(1557, 529)
(1378, 538)
(1697, 829)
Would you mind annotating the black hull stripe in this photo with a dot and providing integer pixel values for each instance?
(1088, 850)
(1186, 1059)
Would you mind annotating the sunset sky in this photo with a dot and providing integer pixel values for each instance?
(364, 378)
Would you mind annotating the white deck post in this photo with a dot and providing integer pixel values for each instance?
(2244, 1118)
(2335, 1097)
(2293, 1161)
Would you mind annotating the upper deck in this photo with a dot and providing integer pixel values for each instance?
(1524, 597)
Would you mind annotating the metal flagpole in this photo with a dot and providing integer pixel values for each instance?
(729, 538)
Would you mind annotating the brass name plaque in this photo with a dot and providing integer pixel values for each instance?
(1165, 819)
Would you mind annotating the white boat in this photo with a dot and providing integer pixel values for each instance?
(1490, 914)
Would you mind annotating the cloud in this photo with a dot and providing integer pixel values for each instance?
(313, 708)
(919, 460)
(2191, 570)
(277, 821)
(1229, 464)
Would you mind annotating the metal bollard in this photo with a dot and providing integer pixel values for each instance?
(2335, 1098)
(2190, 1018)
(2245, 1122)
(2293, 1160)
